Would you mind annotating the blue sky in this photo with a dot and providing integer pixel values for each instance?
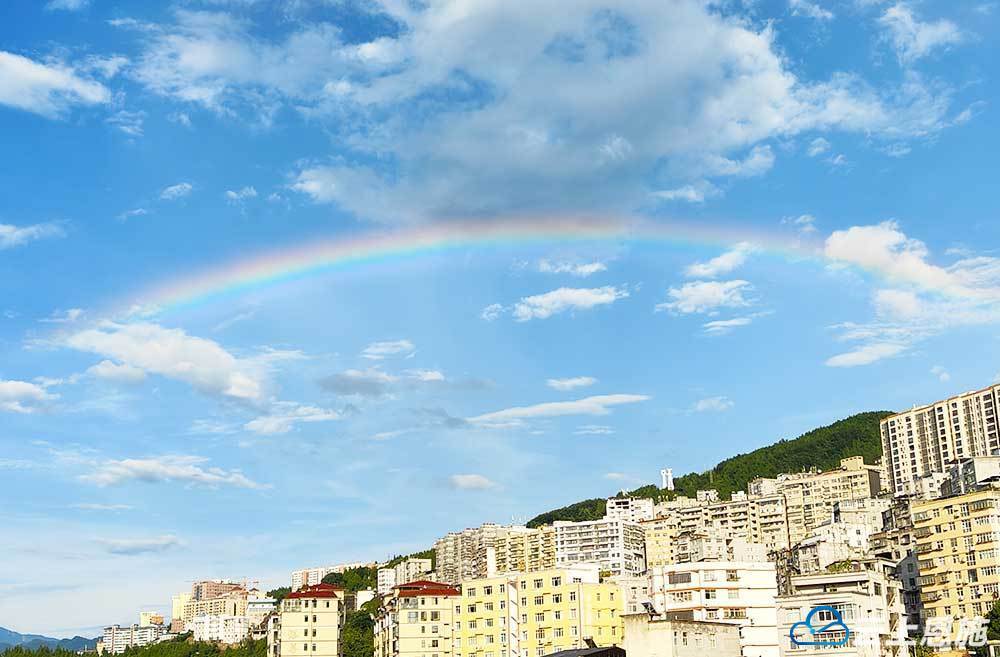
(845, 151)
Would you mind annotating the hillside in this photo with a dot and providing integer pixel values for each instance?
(10, 638)
(820, 448)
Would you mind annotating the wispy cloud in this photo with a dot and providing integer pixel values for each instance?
(134, 546)
(471, 482)
(165, 469)
(712, 405)
(722, 264)
(596, 405)
(579, 269)
(565, 299)
(50, 89)
(707, 296)
(382, 350)
(11, 235)
(571, 383)
(178, 191)
(912, 38)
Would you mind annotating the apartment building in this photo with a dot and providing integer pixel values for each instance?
(754, 519)
(868, 598)
(958, 544)
(662, 637)
(740, 593)
(922, 441)
(213, 588)
(524, 550)
(810, 497)
(966, 475)
(416, 620)
(231, 603)
(468, 554)
(223, 629)
(618, 546)
(310, 622)
(408, 570)
(150, 618)
(633, 509)
(897, 544)
(117, 639)
(177, 603)
(311, 576)
(259, 608)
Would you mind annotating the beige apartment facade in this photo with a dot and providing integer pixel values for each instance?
(810, 497)
(416, 619)
(310, 622)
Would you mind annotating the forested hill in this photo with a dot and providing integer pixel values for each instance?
(821, 448)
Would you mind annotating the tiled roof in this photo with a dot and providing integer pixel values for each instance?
(317, 591)
(423, 587)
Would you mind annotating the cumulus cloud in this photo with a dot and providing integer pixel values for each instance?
(571, 383)
(596, 405)
(285, 415)
(706, 296)
(11, 235)
(134, 546)
(178, 191)
(492, 312)
(471, 482)
(164, 469)
(382, 350)
(579, 269)
(712, 405)
(23, 397)
(722, 264)
(50, 90)
(912, 38)
(117, 373)
(543, 306)
(172, 353)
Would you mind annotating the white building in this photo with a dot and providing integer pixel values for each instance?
(117, 639)
(868, 599)
(633, 509)
(258, 609)
(647, 636)
(223, 629)
(737, 592)
(313, 576)
(618, 546)
(406, 571)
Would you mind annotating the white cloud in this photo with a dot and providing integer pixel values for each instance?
(471, 482)
(23, 397)
(866, 354)
(571, 383)
(174, 192)
(117, 372)
(131, 123)
(285, 415)
(381, 350)
(594, 430)
(581, 270)
(64, 316)
(723, 326)
(804, 223)
(596, 405)
(492, 312)
(172, 468)
(712, 405)
(809, 10)
(723, 264)
(364, 383)
(818, 146)
(941, 373)
(707, 296)
(695, 193)
(426, 376)
(173, 353)
(913, 39)
(67, 5)
(543, 306)
(128, 214)
(11, 236)
(240, 195)
(87, 506)
(133, 546)
(46, 89)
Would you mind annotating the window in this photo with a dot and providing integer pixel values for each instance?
(487, 590)
(556, 581)
(539, 599)
(539, 583)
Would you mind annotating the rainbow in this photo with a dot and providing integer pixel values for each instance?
(320, 256)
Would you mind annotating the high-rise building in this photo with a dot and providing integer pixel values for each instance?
(633, 509)
(222, 629)
(177, 603)
(311, 576)
(868, 598)
(408, 570)
(150, 618)
(468, 554)
(416, 619)
(922, 441)
(958, 545)
(618, 546)
(311, 621)
(212, 588)
(117, 639)
(897, 544)
(810, 497)
(230, 603)
(735, 592)
(524, 550)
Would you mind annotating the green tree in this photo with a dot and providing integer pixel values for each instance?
(279, 593)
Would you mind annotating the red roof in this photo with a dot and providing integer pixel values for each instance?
(317, 591)
(424, 587)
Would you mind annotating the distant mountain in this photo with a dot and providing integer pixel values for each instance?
(10, 638)
(821, 448)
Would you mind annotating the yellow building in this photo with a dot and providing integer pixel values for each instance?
(311, 621)
(958, 539)
(810, 496)
(416, 620)
(523, 550)
(150, 618)
(233, 603)
(534, 614)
